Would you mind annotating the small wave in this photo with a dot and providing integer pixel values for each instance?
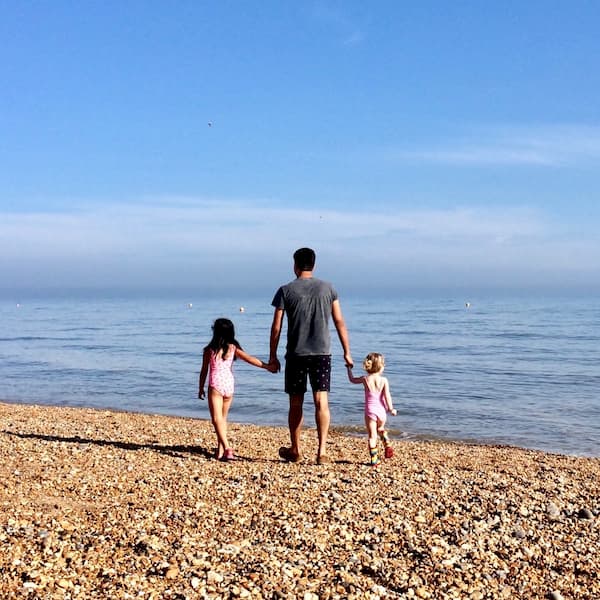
(26, 338)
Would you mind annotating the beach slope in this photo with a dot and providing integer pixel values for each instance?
(101, 504)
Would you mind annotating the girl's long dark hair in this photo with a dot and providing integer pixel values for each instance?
(223, 336)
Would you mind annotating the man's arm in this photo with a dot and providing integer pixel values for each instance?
(275, 335)
(340, 327)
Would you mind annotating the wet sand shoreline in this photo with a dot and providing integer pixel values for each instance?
(99, 504)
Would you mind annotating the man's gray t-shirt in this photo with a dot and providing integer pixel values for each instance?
(307, 303)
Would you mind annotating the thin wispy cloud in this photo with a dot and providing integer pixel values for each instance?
(244, 243)
(340, 24)
(555, 146)
(203, 223)
(354, 39)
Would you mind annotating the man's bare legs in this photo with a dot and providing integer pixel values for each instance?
(295, 420)
(323, 418)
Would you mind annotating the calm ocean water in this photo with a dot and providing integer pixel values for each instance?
(523, 372)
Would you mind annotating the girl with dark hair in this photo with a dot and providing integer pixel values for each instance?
(217, 363)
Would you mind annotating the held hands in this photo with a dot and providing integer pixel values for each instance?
(393, 412)
(348, 360)
(274, 365)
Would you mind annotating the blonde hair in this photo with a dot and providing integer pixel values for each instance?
(374, 362)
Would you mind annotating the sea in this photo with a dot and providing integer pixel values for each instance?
(519, 371)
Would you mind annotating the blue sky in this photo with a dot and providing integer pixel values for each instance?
(195, 145)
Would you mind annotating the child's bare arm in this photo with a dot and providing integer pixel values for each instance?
(203, 372)
(351, 376)
(388, 398)
(252, 360)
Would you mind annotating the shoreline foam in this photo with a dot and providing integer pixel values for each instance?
(99, 503)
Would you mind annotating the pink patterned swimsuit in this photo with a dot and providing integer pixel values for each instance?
(375, 408)
(220, 376)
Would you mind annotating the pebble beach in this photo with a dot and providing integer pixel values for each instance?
(103, 504)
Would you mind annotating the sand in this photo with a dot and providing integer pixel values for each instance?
(101, 504)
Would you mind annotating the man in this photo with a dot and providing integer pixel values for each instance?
(308, 303)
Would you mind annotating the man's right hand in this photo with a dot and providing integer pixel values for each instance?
(348, 360)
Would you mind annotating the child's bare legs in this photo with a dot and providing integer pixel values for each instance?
(371, 425)
(219, 409)
(387, 445)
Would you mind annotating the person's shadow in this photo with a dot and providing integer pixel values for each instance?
(175, 450)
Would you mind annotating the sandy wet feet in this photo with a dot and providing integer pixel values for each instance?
(99, 504)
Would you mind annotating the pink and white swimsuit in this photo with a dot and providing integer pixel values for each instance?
(220, 377)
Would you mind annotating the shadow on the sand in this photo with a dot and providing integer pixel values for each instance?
(176, 450)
